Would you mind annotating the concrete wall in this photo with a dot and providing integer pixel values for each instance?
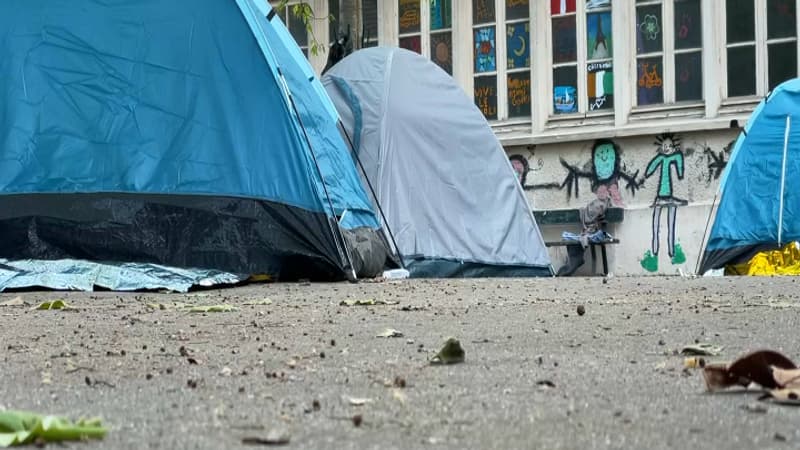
(564, 176)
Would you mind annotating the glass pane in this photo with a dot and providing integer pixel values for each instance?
(518, 44)
(413, 43)
(486, 96)
(689, 76)
(597, 4)
(740, 20)
(297, 29)
(600, 85)
(562, 7)
(688, 24)
(598, 35)
(517, 9)
(781, 18)
(742, 71)
(782, 62)
(441, 14)
(484, 45)
(565, 44)
(519, 94)
(408, 16)
(648, 29)
(650, 73)
(482, 11)
(442, 50)
(370, 20)
(565, 90)
(333, 29)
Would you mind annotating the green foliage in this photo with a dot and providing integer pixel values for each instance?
(305, 13)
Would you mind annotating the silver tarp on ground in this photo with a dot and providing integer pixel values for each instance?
(71, 274)
(444, 181)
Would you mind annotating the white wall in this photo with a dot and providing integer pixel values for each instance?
(703, 154)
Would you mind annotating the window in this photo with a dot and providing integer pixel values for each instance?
(369, 23)
(296, 27)
(502, 86)
(583, 75)
(669, 57)
(430, 35)
(761, 45)
(409, 25)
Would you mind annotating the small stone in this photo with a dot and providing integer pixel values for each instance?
(779, 437)
(322, 355)
(581, 310)
(149, 376)
(225, 372)
(315, 405)
(358, 420)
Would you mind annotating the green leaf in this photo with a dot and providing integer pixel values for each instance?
(20, 428)
(55, 304)
(451, 353)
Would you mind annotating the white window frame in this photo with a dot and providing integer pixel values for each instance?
(761, 43)
(389, 31)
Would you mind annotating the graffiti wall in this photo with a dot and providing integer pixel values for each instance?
(665, 182)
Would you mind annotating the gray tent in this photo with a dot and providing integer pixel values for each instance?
(442, 179)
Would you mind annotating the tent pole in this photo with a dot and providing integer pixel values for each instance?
(374, 194)
(783, 178)
(703, 243)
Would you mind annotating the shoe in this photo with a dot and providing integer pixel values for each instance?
(650, 262)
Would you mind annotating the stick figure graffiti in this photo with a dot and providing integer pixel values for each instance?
(669, 154)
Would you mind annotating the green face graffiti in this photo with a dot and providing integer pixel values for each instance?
(605, 161)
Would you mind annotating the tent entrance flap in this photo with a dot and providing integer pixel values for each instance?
(783, 177)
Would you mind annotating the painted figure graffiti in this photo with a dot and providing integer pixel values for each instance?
(520, 165)
(669, 155)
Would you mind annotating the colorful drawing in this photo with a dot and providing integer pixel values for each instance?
(442, 50)
(413, 43)
(485, 57)
(564, 99)
(562, 7)
(598, 35)
(597, 4)
(441, 14)
(600, 86)
(649, 27)
(669, 154)
(519, 52)
(650, 83)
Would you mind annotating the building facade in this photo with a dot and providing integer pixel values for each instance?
(638, 101)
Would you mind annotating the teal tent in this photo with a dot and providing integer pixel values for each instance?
(759, 206)
(183, 133)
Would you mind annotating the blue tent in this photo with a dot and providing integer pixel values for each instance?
(189, 133)
(759, 206)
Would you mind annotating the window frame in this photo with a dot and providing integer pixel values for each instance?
(761, 44)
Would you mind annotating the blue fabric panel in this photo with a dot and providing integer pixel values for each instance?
(320, 121)
(155, 97)
(749, 208)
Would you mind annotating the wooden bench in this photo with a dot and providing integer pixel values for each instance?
(572, 217)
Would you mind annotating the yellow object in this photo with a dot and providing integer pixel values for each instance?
(785, 261)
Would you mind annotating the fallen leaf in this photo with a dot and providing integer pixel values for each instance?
(274, 437)
(789, 397)
(20, 428)
(359, 401)
(211, 309)
(546, 383)
(16, 301)
(263, 302)
(367, 302)
(55, 304)
(786, 378)
(702, 350)
(451, 353)
(756, 367)
(390, 333)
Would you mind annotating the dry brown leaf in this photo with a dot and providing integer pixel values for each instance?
(756, 367)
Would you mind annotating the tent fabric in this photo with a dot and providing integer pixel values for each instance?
(785, 261)
(443, 180)
(205, 112)
(752, 214)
